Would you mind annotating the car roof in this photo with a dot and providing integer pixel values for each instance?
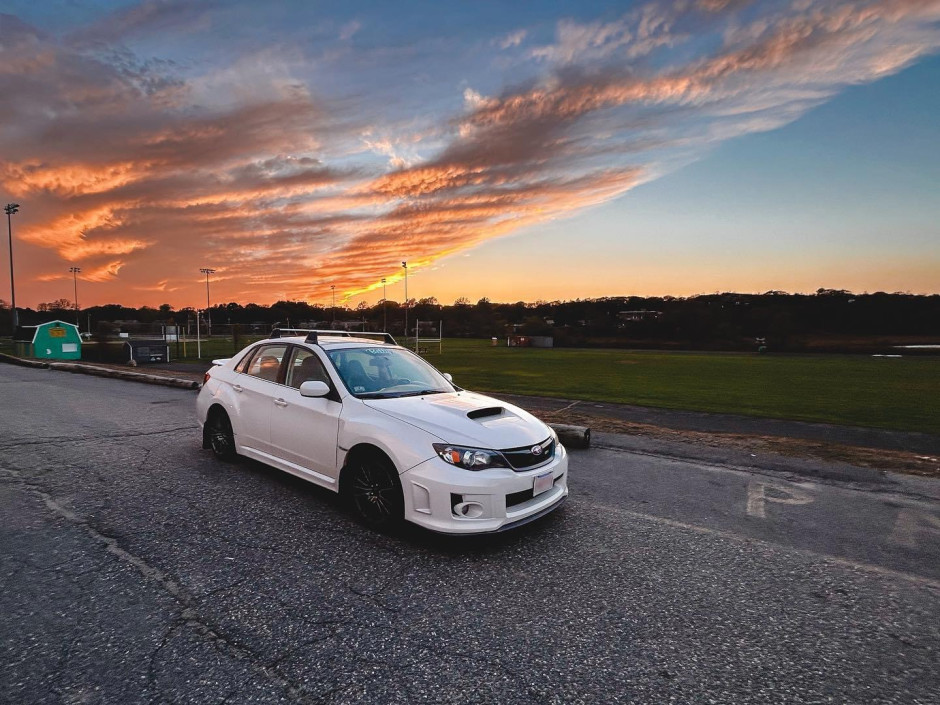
(333, 341)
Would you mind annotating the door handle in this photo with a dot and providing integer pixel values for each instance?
(280, 402)
(237, 387)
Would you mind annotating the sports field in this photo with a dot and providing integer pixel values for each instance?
(896, 393)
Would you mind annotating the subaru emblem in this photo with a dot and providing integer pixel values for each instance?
(536, 450)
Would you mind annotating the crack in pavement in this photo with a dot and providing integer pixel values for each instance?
(189, 617)
(49, 440)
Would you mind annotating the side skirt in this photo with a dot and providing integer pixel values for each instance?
(287, 466)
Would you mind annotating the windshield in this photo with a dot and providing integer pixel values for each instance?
(383, 373)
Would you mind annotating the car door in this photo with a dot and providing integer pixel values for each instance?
(256, 386)
(304, 430)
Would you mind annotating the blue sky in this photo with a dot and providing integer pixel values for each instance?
(509, 150)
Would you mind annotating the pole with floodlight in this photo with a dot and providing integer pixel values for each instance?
(384, 308)
(207, 271)
(75, 271)
(10, 209)
(333, 305)
(405, 265)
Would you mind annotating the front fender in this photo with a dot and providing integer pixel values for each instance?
(406, 445)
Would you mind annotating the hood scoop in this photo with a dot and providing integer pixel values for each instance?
(487, 411)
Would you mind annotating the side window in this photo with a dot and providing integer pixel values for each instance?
(266, 363)
(305, 367)
(242, 365)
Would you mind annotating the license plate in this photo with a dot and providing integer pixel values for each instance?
(543, 483)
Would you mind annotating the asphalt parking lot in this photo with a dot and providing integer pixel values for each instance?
(139, 569)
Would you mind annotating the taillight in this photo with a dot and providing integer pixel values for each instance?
(205, 379)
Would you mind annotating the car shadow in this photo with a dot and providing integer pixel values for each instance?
(417, 538)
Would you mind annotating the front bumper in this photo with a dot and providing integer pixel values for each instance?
(433, 488)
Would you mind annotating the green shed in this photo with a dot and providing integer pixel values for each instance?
(55, 340)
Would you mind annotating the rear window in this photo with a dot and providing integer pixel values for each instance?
(266, 362)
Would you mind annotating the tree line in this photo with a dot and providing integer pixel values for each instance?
(829, 319)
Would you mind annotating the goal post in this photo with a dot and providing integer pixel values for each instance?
(428, 339)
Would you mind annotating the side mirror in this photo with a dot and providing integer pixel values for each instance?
(314, 388)
(448, 377)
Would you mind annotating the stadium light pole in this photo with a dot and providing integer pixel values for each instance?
(75, 271)
(384, 308)
(333, 306)
(10, 209)
(207, 271)
(405, 265)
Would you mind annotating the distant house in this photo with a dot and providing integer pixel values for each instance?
(636, 316)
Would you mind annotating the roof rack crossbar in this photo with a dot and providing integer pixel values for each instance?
(314, 333)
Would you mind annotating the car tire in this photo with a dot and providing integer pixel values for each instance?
(373, 492)
(221, 437)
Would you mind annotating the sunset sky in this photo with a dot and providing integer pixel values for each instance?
(517, 150)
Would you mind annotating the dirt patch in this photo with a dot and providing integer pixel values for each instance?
(898, 461)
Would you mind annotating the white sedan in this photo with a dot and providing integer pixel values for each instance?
(375, 422)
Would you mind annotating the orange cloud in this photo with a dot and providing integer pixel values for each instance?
(121, 170)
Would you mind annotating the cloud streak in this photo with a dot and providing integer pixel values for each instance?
(132, 170)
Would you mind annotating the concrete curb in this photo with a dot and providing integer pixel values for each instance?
(11, 360)
(102, 372)
(124, 374)
(572, 436)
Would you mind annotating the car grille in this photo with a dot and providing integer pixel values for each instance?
(524, 458)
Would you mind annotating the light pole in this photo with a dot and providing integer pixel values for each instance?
(405, 265)
(333, 294)
(10, 209)
(384, 308)
(75, 271)
(207, 272)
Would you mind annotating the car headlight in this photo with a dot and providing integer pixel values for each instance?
(470, 458)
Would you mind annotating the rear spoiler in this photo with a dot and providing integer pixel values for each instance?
(221, 361)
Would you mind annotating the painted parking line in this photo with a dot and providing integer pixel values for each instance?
(914, 529)
(760, 492)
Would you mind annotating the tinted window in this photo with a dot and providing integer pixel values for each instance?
(305, 366)
(267, 362)
(242, 365)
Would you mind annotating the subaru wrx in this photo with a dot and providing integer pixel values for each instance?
(381, 426)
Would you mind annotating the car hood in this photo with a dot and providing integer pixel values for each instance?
(466, 418)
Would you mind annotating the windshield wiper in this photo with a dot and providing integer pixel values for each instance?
(377, 395)
(421, 393)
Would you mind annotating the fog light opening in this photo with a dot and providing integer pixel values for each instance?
(469, 510)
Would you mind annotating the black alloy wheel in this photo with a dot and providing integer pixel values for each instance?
(221, 437)
(375, 493)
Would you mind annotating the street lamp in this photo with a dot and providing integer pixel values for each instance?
(207, 272)
(384, 308)
(333, 293)
(75, 271)
(10, 209)
(405, 265)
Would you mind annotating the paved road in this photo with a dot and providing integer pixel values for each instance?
(138, 569)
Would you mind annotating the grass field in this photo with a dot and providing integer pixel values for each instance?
(895, 393)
